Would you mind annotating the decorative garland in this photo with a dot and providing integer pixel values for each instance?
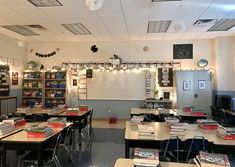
(46, 55)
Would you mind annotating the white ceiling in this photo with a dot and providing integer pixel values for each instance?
(116, 20)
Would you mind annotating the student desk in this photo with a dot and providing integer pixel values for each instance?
(121, 162)
(187, 116)
(39, 110)
(162, 132)
(20, 141)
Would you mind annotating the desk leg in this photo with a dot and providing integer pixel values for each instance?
(79, 137)
(4, 155)
(127, 149)
(40, 159)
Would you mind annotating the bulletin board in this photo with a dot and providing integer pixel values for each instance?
(117, 85)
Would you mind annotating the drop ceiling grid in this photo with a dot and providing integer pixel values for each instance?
(16, 3)
(189, 12)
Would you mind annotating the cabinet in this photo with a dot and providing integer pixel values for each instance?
(55, 88)
(8, 105)
(4, 80)
(32, 88)
(193, 89)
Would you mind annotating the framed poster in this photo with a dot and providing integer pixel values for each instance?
(14, 78)
(201, 84)
(182, 51)
(186, 85)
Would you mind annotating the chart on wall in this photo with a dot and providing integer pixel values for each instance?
(116, 85)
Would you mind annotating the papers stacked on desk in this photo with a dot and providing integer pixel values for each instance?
(178, 129)
(205, 159)
(171, 120)
(16, 121)
(146, 132)
(57, 122)
(39, 131)
(6, 128)
(227, 133)
(208, 124)
(135, 120)
(146, 157)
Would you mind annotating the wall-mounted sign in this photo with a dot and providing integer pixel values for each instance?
(183, 51)
(14, 78)
(165, 77)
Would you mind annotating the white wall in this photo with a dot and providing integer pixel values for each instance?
(127, 50)
(10, 49)
(225, 60)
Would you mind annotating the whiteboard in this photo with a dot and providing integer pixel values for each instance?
(116, 85)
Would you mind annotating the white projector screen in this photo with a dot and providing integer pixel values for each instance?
(116, 86)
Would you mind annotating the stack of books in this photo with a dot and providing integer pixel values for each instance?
(146, 131)
(135, 120)
(207, 124)
(178, 129)
(39, 131)
(72, 111)
(23, 110)
(57, 122)
(146, 157)
(171, 120)
(227, 133)
(205, 159)
(6, 128)
(16, 121)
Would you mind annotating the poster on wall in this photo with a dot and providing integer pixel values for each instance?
(165, 77)
(186, 85)
(14, 78)
(182, 51)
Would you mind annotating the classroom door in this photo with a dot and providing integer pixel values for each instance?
(199, 95)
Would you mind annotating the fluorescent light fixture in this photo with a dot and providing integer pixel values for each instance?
(76, 28)
(21, 30)
(164, 0)
(158, 26)
(223, 25)
(45, 3)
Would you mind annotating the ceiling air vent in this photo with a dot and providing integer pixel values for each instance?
(45, 3)
(205, 22)
(158, 26)
(36, 27)
(223, 25)
(21, 30)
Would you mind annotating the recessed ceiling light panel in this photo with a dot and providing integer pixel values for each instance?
(45, 3)
(164, 0)
(76, 28)
(21, 30)
(158, 26)
(223, 25)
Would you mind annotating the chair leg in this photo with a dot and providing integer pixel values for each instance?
(57, 162)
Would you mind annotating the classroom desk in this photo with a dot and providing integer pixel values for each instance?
(162, 132)
(121, 162)
(39, 110)
(20, 141)
(76, 118)
(157, 112)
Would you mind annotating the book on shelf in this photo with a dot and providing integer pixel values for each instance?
(146, 157)
(205, 159)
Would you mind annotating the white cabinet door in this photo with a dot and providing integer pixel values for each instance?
(199, 94)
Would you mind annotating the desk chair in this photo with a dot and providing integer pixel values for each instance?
(50, 156)
(168, 149)
(67, 143)
(224, 120)
(194, 145)
(87, 131)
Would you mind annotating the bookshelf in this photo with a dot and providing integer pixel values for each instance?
(82, 85)
(55, 88)
(4, 80)
(32, 87)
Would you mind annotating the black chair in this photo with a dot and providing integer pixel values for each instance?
(225, 121)
(67, 142)
(49, 156)
(87, 131)
(169, 149)
(194, 145)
